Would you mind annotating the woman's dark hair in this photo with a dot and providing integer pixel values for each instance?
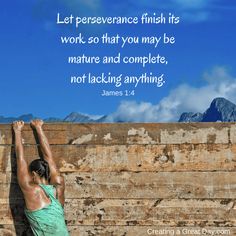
(41, 167)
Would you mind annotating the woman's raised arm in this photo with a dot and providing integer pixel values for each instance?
(55, 177)
(23, 175)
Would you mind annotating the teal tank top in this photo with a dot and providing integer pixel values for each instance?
(48, 221)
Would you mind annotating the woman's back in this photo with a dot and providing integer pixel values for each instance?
(49, 220)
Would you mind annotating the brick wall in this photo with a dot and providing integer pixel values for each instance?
(132, 179)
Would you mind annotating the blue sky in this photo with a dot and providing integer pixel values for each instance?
(35, 76)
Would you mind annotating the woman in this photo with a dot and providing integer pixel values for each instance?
(42, 186)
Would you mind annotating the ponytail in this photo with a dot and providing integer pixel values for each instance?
(47, 171)
(41, 167)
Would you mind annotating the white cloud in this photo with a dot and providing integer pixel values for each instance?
(195, 17)
(191, 4)
(185, 98)
(83, 6)
(131, 111)
(189, 10)
(216, 75)
(194, 10)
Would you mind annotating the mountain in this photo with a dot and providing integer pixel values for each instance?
(52, 119)
(191, 117)
(77, 117)
(81, 118)
(25, 118)
(220, 109)
(102, 119)
(72, 117)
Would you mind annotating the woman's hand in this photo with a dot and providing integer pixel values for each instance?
(36, 123)
(18, 125)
